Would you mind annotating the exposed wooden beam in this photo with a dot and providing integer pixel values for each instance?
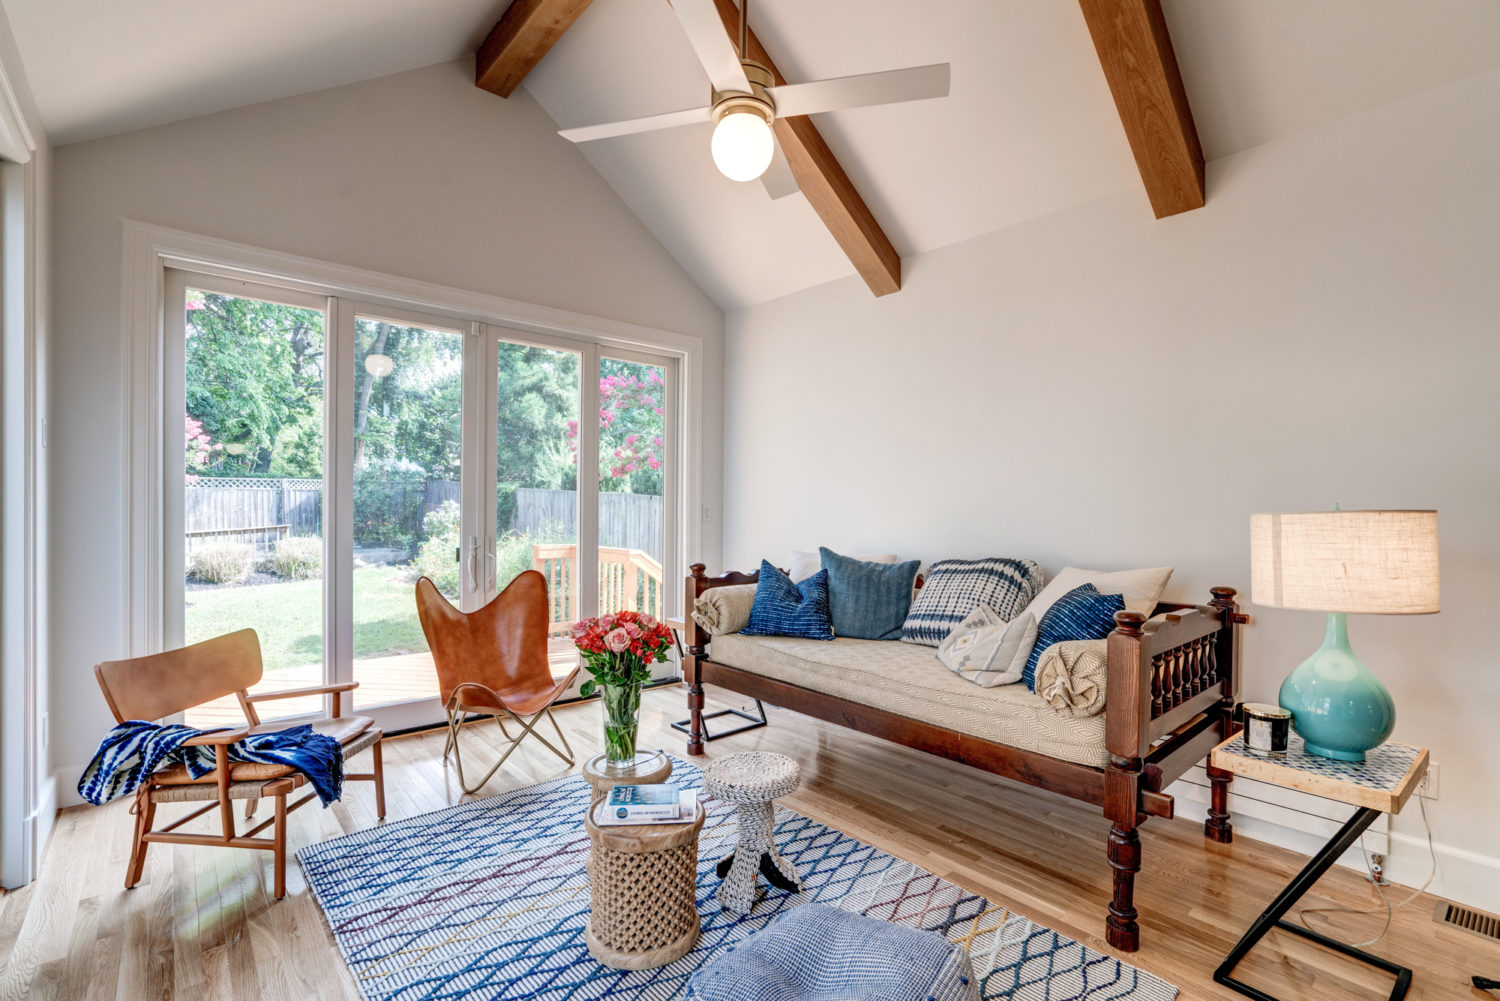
(824, 182)
(1136, 53)
(524, 34)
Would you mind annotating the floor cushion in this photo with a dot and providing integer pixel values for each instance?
(820, 953)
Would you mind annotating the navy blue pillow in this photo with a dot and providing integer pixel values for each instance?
(868, 601)
(785, 609)
(1081, 614)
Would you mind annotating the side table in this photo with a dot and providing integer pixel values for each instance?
(1382, 783)
(650, 768)
(643, 892)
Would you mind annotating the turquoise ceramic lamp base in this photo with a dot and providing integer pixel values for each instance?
(1340, 709)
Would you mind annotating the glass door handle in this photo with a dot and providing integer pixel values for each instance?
(489, 564)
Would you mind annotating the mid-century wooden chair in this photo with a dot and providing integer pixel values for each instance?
(163, 684)
(494, 661)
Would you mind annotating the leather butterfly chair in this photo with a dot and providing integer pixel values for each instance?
(164, 684)
(494, 661)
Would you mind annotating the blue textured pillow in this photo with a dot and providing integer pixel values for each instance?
(785, 609)
(868, 601)
(1081, 614)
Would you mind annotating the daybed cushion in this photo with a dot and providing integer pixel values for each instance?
(804, 564)
(724, 609)
(1141, 588)
(909, 680)
(987, 650)
(783, 608)
(868, 601)
(955, 588)
(1071, 676)
(1081, 614)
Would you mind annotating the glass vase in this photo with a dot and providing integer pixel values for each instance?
(622, 718)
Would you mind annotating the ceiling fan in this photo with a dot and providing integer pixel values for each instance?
(745, 99)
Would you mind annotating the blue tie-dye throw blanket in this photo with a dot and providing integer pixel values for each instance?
(135, 749)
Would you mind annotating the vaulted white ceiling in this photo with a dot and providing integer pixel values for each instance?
(1029, 127)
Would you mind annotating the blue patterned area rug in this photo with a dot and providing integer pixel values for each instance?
(489, 900)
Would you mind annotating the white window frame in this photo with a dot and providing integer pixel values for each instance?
(150, 251)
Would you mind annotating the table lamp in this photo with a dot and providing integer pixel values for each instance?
(1338, 562)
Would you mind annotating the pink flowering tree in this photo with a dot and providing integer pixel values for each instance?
(632, 424)
(202, 451)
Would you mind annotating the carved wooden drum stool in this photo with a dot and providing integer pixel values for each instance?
(752, 780)
(643, 892)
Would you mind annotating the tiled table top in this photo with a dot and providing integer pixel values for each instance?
(1384, 781)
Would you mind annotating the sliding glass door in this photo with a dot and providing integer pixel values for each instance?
(335, 452)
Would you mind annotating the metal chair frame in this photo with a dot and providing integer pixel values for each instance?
(456, 713)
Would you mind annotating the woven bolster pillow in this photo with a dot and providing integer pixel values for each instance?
(1071, 676)
(723, 610)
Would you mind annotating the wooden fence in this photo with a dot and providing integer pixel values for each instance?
(626, 521)
(249, 509)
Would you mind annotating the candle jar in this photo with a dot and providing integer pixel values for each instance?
(1266, 729)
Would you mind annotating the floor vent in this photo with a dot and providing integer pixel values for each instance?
(1467, 919)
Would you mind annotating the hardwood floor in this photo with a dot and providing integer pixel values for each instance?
(202, 924)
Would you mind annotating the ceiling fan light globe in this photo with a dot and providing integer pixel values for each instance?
(742, 145)
(379, 366)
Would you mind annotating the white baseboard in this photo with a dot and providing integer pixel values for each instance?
(1304, 823)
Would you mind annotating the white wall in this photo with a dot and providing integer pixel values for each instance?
(419, 175)
(1102, 389)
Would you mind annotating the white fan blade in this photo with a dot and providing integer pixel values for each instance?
(916, 83)
(651, 123)
(705, 32)
(778, 179)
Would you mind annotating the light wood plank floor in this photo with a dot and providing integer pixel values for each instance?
(202, 924)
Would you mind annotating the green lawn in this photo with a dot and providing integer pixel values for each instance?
(289, 616)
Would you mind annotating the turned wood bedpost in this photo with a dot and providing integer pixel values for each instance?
(1217, 827)
(697, 646)
(1125, 730)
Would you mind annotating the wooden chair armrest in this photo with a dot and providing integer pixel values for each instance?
(228, 735)
(292, 693)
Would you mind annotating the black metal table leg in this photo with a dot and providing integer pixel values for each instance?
(1272, 916)
(752, 722)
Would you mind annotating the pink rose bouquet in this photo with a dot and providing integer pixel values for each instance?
(617, 650)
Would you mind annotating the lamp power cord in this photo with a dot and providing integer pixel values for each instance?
(1385, 900)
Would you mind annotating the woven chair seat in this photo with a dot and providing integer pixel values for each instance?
(247, 779)
(751, 777)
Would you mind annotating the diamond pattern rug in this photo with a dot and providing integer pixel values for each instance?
(489, 900)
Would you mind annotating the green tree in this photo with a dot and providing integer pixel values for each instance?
(254, 369)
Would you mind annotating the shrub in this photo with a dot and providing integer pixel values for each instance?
(221, 562)
(387, 506)
(435, 558)
(297, 558)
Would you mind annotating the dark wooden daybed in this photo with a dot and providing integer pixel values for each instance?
(1171, 688)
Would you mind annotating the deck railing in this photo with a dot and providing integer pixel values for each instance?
(629, 580)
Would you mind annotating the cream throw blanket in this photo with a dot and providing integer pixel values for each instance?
(1070, 677)
(723, 610)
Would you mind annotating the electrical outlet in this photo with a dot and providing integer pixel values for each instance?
(1429, 786)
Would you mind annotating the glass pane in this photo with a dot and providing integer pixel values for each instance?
(253, 496)
(632, 432)
(536, 490)
(408, 420)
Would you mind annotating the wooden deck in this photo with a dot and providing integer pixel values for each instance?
(382, 680)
